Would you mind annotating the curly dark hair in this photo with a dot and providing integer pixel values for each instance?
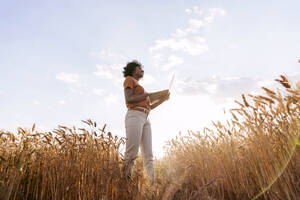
(130, 67)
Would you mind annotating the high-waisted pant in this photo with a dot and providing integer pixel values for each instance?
(138, 133)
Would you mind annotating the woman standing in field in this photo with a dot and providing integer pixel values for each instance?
(137, 124)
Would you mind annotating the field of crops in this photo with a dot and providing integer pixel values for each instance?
(252, 156)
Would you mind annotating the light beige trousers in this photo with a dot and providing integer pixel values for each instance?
(138, 133)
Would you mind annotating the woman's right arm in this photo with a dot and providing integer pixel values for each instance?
(134, 98)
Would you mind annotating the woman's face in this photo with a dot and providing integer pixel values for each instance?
(139, 72)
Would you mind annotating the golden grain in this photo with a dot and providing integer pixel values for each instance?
(253, 154)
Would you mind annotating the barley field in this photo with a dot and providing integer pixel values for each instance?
(254, 155)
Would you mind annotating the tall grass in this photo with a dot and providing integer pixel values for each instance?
(252, 156)
(65, 164)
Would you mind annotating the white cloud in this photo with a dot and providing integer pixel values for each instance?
(192, 46)
(157, 59)
(266, 83)
(212, 88)
(195, 25)
(172, 61)
(188, 11)
(197, 11)
(219, 89)
(217, 11)
(111, 72)
(188, 40)
(180, 33)
(68, 77)
(212, 13)
(225, 89)
(207, 12)
(190, 87)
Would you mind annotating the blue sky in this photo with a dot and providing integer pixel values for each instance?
(61, 61)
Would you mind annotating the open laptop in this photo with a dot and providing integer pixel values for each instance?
(157, 95)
